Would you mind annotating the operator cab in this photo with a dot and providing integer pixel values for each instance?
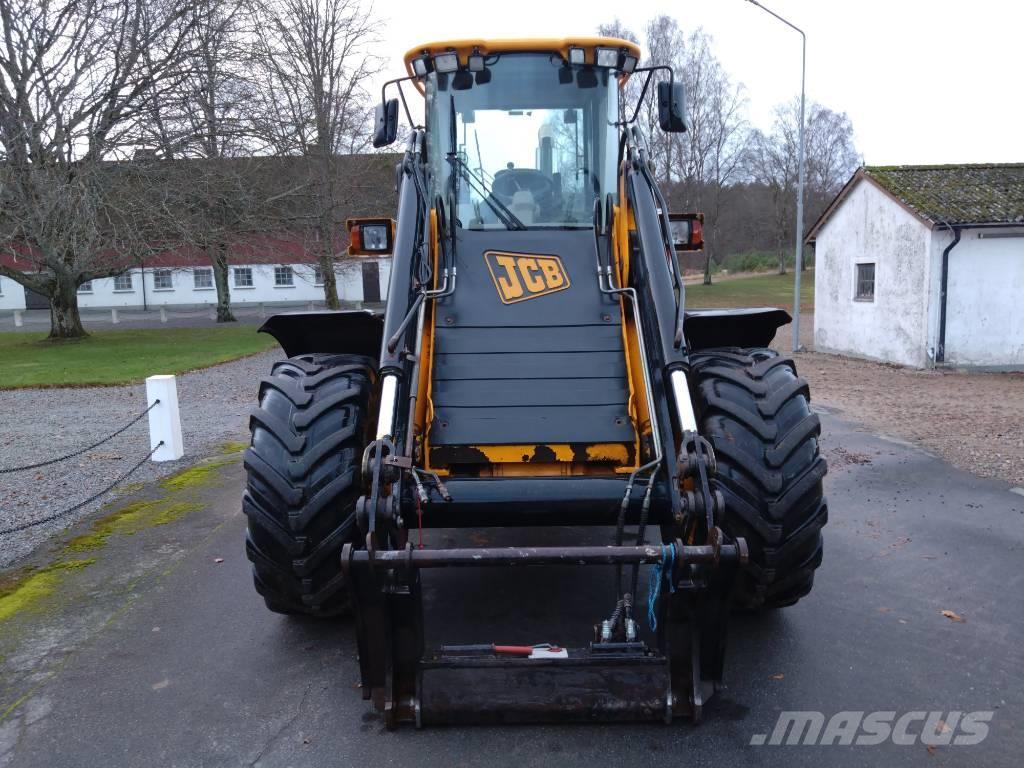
(533, 144)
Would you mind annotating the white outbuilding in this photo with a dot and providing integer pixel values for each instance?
(924, 266)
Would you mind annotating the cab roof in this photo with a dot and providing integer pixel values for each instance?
(521, 45)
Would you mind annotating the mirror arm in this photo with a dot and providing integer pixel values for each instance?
(643, 92)
(401, 94)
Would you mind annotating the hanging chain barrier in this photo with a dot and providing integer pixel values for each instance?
(59, 459)
(73, 454)
(79, 505)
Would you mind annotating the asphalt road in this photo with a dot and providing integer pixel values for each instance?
(158, 655)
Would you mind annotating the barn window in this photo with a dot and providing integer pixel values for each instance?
(865, 282)
(162, 280)
(202, 278)
(283, 277)
(123, 282)
(243, 277)
(85, 287)
(318, 276)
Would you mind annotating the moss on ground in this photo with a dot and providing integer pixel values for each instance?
(197, 476)
(24, 590)
(233, 446)
(130, 520)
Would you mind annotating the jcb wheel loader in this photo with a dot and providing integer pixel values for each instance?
(535, 368)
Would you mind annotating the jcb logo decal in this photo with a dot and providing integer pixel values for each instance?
(519, 277)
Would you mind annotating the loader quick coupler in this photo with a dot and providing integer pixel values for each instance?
(490, 682)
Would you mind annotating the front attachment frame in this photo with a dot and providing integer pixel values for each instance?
(410, 684)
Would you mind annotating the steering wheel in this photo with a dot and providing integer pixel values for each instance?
(511, 180)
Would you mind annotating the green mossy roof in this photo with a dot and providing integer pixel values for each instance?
(957, 194)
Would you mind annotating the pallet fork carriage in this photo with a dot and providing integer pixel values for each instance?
(535, 370)
(602, 681)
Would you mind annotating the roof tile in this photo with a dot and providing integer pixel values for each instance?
(957, 194)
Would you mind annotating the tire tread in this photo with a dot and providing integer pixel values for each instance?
(303, 479)
(754, 409)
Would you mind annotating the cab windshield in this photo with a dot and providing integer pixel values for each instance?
(531, 147)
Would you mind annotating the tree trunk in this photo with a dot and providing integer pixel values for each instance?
(65, 322)
(325, 218)
(707, 266)
(782, 260)
(325, 257)
(330, 281)
(219, 258)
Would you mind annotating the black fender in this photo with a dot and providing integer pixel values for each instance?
(355, 332)
(754, 327)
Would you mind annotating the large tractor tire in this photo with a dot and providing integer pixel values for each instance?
(308, 435)
(753, 409)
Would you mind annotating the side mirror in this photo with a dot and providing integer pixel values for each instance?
(672, 106)
(370, 237)
(687, 231)
(385, 123)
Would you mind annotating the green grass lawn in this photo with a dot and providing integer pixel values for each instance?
(760, 291)
(121, 357)
(125, 357)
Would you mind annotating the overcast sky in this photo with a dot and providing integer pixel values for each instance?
(923, 81)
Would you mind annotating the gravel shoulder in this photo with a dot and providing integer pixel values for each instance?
(973, 420)
(40, 424)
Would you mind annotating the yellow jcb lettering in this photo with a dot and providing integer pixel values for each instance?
(531, 274)
(509, 286)
(552, 273)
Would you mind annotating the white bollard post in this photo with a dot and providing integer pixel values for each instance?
(18, 322)
(164, 419)
(311, 306)
(113, 317)
(163, 314)
(263, 311)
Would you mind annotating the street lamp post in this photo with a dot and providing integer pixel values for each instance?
(800, 181)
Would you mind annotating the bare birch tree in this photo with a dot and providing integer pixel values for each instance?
(697, 165)
(773, 161)
(74, 76)
(314, 63)
(208, 118)
(717, 135)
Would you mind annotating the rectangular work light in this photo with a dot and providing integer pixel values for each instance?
(421, 66)
(374, 236)
(446, 62)
(607, 57)
(370, 237)
(576, 56)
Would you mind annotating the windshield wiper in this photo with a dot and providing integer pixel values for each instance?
(509, 219)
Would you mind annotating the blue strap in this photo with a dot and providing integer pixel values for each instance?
(663, 568)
